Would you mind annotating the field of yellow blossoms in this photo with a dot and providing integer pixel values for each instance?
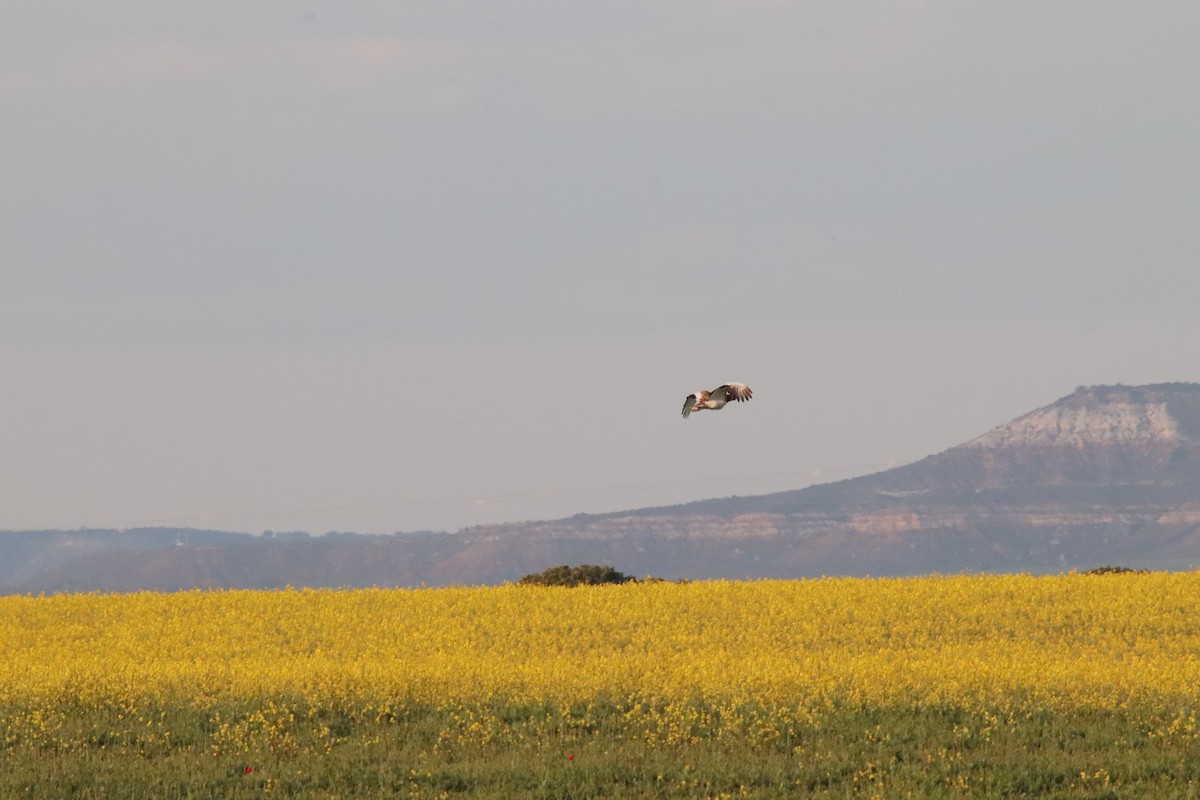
(938, 686)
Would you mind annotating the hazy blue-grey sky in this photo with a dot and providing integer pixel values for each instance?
(383, 266)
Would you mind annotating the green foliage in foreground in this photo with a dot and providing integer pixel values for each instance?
(544, 752)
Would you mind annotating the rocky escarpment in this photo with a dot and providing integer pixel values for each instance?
(1092, 417)
(1105, 474)
(1098, 436)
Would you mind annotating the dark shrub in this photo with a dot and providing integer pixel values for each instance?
(583, 575)
(1109, 570)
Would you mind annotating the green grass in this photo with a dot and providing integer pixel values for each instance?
(235, 752)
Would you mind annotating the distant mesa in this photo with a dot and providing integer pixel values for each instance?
(1106, 475)
(1106, 415)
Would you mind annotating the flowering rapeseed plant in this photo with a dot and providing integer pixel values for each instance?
(675, 662)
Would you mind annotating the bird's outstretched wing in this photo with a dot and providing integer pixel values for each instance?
(735, 391)
(688, 404)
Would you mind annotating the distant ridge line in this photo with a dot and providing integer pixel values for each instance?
(1107, 475)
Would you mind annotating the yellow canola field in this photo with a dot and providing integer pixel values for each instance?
(984, 642)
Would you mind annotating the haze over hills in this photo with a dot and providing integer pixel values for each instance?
(1105, 475)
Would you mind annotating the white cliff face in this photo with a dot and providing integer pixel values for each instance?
(1080, 425)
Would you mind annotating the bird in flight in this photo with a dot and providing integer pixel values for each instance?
(717, 398)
